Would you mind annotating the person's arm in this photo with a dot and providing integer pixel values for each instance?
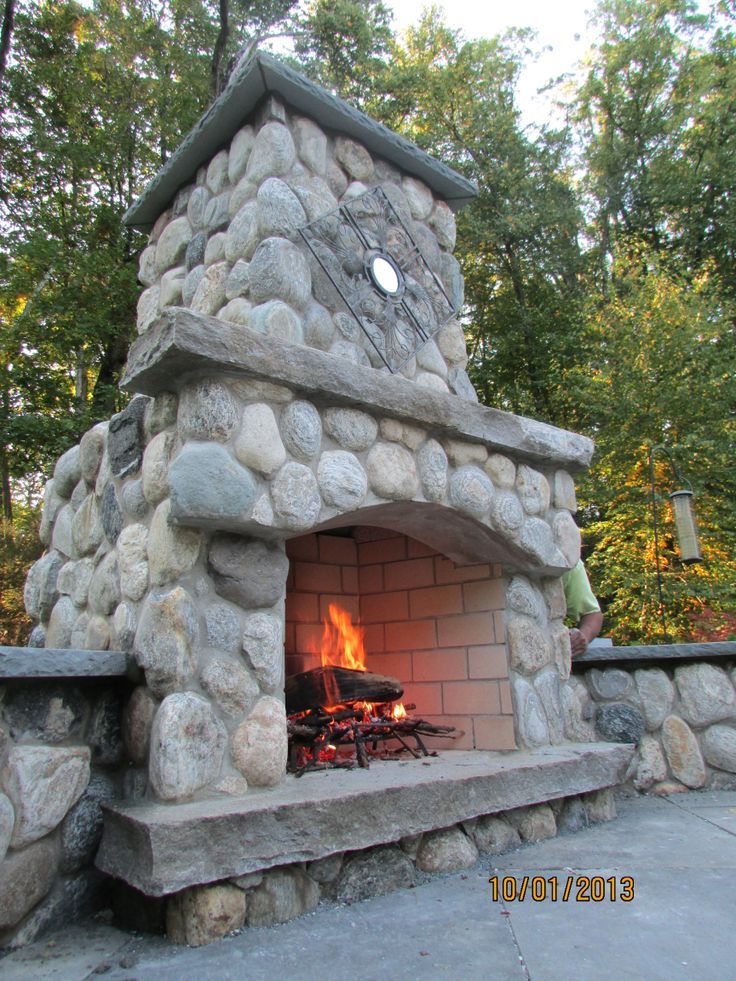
(588, 628)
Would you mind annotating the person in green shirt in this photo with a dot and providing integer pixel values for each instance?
(582, 608)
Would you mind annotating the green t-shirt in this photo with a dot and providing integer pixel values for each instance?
(579, 596)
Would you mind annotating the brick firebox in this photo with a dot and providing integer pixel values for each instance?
(436, 626)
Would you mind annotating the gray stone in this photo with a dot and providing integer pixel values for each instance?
(336, 178)
(706, 694)
(206, 483)
(374, 873)
(619, 723)
(501, 470)
(566, 535)
(244, 192)
(52, 504)
(563, 491)
(506, 515)
(295, 496)
(191, 284)
(97, 636)
(572, 816)
(104, 589)
(48, 714)
(535, 538)
(283, 895)
(448, 850)
(210, 293)
(223, 628)
(314, 196)
(311, 145)
(195, 251)
(433, 469)
(172, 283)
(229, 685)
(461, 385)
(419, 197)
(124, 626)
(452, 277)
(7, 820)
(494, 836)
(78, 639)
(125, 438)
(529, 714)
(87, 530)
(392, 472)
(522, 596)
(217, 215)
(682, 752)
(352, 429)
(138, 719)
(164, 640)
(110, 514)
(610, 683)
(79, 493)
(172, 551)
(651, 767)
(172, 245)
(272, 155)
(547, 686)
(249, 573)
(25, 878)
(442, 220)
(196, 207)
(203, 914)
(533, 490)
(242, 234)
(325, 870)
(81, 829)
(248, 881)
(425, 379)
(161, 413)
(238, 280)
(61, 539)
(342, 480)
(61, 623)
(147, 272)
(217, 170)
(354, 158)
(134, 502)
(529, 648)
(104, 733)
(276, 319)
(37, 637)
(719, 747)
(187, 746)
(451, 342)
(214, 254)
(40, 591)
(279, 210)
(263, 643)
(42, 783)
(280, 271)
(533, 823)
(301, 430)
(91, 448)
(259, 745)
(240, 150)
(67, 472)
(237, 311)
(156, 462)
(470, 491)
(350, 352)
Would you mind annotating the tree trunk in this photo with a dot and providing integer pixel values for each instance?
(5, 35)
(219, 52)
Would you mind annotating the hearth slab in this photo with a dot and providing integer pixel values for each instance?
(162, 848)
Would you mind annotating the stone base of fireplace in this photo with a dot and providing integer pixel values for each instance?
(163, 848)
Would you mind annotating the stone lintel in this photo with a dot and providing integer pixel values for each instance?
(32, 662)
(160, 848)
(183, 345)
(649, 655)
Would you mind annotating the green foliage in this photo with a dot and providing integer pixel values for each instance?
(19, 548)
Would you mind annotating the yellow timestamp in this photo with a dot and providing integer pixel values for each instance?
(571, 888)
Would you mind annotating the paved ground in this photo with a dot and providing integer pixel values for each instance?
(680, 852)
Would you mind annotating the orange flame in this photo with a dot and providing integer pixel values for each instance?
(399, 711)
(342, 646)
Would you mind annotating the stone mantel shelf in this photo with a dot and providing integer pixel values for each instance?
(659, 655)
(41, 662)
(183, 345)
(162, 848)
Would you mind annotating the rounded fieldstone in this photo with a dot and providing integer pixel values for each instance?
(342, 480)
(67, 472)
(279, 271)
(97, 635)
(529, 647)
(172, 245)
(311, 144)
(567, 537)
(392, 472)
(111, 515)
(618, 722)
(279, 210)
(501, 470)
(442, 220)
(374, 873)
(194, 255)
(61, 538)
(547, 686)
(124, 626)
(336, 179)
(125, 439)
(354, 158)
(147, 272)
(610, 683)
(133, 561)
(104, 589)
(7, 820)
(134, 501)
(187, 746)
(138, 719)
(563, 491)
(214, 254)
(651, 767)
(229, 685)
(26, 877)
(295, 496)
(506, 515)
(264, 644)
(237, 311)
(535, 823)
(240, 150)
(205, 482)
(577, 708)
(259, 745)
(242, 234)
(241, 194)
(217, 216)
(52, 504)
(452, 277)
(203, 914)
(494, 836)
(147, 310)
(238, 280)
(191, 284)
(197, 206)
(276, 319)
(719, 747)
(533, 490)
(350, 352)
(301, 430)
(451, 342)
(40, 592)
(258, 444)
(91, 448)
(249, 573)
(87, 530)
(352, 429)
(172, 551)
(81, 829)
(535, 538)
(314, 195)
(426, 380)
(706, 694)
(461, 385)
(522, 596)
(161, 413)
(172, 283)
(682, 752)
(448, 850)
(222, 628)
(419, 197)
(273, 153)
(61, 623)
(217, 168)
(529, 714)
(163, 642)
(210, 293)
(470, 491)
(155, 468)
(282, 895)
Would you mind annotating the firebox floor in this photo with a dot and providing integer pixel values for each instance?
(162, 848)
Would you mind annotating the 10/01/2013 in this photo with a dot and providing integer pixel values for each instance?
(579, 889)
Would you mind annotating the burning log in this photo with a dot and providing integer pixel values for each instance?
(338, 686)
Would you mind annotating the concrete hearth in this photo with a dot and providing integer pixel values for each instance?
(161, 849)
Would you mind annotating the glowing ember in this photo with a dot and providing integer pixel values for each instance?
(399, 711)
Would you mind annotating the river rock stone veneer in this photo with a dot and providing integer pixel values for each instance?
(264, 413)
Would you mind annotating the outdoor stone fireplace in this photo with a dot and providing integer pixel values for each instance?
(303, 431)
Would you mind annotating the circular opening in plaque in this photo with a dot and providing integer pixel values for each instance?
(385, 274)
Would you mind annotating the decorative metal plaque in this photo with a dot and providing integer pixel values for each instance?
(381, 275)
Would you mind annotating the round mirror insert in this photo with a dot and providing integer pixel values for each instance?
(385, 274)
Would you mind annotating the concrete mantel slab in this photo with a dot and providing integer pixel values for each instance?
(183, 345)
(162, 848)
(32, 662)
